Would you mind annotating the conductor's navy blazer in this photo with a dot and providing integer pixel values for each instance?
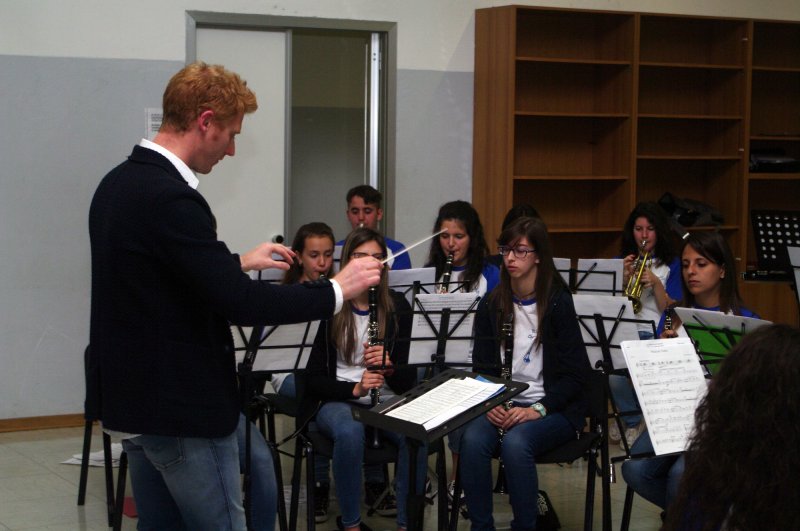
(164, 293)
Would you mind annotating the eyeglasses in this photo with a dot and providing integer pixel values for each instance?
(519, 252)
(376, 256)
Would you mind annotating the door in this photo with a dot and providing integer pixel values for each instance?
(246, 192)
(317, 133)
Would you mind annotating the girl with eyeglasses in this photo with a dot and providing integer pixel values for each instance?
(465, 241)
(338, 376)
(548, 355)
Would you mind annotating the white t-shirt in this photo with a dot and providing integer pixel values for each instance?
(353, 373)
(527, 363)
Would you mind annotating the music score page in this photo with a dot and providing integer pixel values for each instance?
(448, 400)
(669, 382)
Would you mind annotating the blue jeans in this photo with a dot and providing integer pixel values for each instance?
(322, 465)
(625, 398)
(335, 420)
(521, 444)
(655, 479)
(188, 483)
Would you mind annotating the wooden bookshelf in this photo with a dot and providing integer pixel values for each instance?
(585, 113)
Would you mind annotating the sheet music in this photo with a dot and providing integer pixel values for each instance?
(794, 260)
(562, 266)
(448, 400)
(719, 320)
(403, 280)
(669, 382)
(458, 350)
(280, 350)
(269, 275)
(600, 279)
(607, 306)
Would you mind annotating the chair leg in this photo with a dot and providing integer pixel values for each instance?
(276, 460)
(109, 469)
(454, 510)
(299, 452)
(441, 492)
(591, 478)
(626, 510)
(122, 477)
(87, 446)
(310, 508)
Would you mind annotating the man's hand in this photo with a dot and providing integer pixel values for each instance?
(261, 257)
(358, 275)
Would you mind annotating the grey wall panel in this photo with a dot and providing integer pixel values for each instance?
(65, 123)
(434, 150)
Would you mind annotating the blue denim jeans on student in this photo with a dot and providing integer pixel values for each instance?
(622, 391)
(188, 483)
(335, 420)
(655, 479)
(322, 465)
(521, 444)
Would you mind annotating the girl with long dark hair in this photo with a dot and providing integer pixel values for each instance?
(548, 355)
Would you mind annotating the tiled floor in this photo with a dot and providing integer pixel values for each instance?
(39, 493)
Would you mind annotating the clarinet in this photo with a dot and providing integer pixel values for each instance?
(372, 339)
(508, 358)
(444, 287)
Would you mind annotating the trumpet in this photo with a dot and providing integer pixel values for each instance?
(508, 358)
(634, 288)
(444, 287)
(372, 339)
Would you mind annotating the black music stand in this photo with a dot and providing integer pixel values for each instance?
(417, 434)
(289, 347)
(774, 231)
(604, 326)
(441, 320)
(598, 275)
(411, 282)
(714, 334)
(794, 260)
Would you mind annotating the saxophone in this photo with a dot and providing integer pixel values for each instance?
(372, 340)
(444, 287)
(634, 288)
(505, 373)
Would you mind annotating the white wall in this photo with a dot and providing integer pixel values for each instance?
(44, 292)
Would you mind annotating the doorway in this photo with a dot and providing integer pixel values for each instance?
(331, 120)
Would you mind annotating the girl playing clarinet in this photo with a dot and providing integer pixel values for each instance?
(338, 376)
(465, 242)
(548, 355)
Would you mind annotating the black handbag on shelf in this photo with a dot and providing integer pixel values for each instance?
(690, 213)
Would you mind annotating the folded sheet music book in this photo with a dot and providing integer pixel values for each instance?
(669, 383)
(452, 398)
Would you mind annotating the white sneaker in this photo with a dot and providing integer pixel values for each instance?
(631, 434)
(613, 432)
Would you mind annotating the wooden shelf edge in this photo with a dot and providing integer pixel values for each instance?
(582, 230)
(572, 60)
(701, 228)
(776, 138)
(566, 114)
(777, 69)
(697, 66)
(774, 176)
(689, 157)
(665, 116)
(571, 177)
